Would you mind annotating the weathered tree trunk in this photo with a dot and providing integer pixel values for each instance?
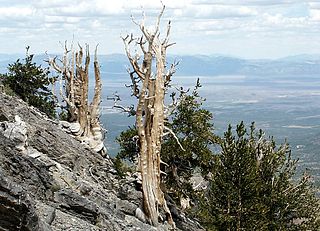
(150, 90)
(83, 118)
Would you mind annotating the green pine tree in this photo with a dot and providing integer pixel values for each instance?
(30, 82)
(192, 125)
(129, 148)
(252, 187)
(128, 153)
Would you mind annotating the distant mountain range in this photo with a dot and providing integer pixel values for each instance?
(114, 65)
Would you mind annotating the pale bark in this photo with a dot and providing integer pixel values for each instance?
(150, 90)
(74, 75)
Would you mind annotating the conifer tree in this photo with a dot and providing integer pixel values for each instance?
(31, 83)
(192, 125)
(252, 187)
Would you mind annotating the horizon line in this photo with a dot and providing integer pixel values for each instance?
(191, 55)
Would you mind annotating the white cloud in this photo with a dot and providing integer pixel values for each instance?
(202, 20)
(61, 20)
(315, 14)
(215, 11)
(216, 25)
(314, 4)
(16, 12)
(54, 3)
(279, 20)
(247, 2)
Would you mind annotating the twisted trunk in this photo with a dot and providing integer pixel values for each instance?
(150, 90)
(84, 118)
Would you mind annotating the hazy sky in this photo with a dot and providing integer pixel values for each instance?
(244, 28)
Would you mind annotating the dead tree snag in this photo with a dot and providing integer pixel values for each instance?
(150, 79)
(83, 117)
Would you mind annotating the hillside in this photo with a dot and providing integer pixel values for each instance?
(50, 181)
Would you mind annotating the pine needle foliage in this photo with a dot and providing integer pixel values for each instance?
(30, 82)
(192, 125)
(253, 187)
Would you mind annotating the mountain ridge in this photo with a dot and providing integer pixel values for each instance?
(203, 65)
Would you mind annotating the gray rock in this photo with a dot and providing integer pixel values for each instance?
(129, 192)
(140, 215)
(4, 116)
(17, 208)
(16, 131)
(126, 207)
(73, 203)
(61, 184)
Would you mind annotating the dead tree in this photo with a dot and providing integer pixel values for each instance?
(83, 117)
(150, 79)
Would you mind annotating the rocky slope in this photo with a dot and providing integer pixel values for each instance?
(50, 181)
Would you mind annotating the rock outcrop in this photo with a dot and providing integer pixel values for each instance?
(50, 181)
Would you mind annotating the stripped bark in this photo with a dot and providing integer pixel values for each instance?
(74, 76)
(150, 89)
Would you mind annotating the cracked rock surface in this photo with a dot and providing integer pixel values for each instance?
(50, 181)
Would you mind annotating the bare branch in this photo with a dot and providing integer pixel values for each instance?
(116, 98)
(182, 91)
(87, 61)
(134, 21)
(170, 44)
(133, 61)
(62, 94)
(164, 163)
(80, 55)
(162, 172)
(174, 136)
(170, 72)
(95, 104)
(175, 102)
(141, 43)
(158, 20)
(134, 81)
(131, 39)
(166, 40)
(56, 67)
